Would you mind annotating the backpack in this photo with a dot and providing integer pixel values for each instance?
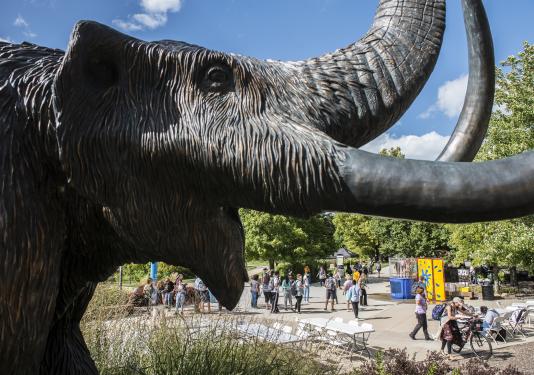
(331, 283)
(265, 281)
(438, 310)
(294, 289)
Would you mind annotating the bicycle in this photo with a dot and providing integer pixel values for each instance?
(472, 332)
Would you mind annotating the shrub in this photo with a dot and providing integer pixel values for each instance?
(180, 346)
(398, 362)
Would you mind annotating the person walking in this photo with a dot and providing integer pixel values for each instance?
(254, 291)
(299, 287)
(275, 291)
(321, 275)
(346, 286)
(180, 291)
(168, 293)
(307, 282)
(148, 290)
(340, 276)
(203, 295)
(378, 268)
(266, 286)
(420, 314)
(330, 286)
(354, 296)
(363, 289)
(355, 275)
(287, 285)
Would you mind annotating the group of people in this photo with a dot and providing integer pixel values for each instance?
(272, 285)
(295, 289)
(354, 288)
(173, 294)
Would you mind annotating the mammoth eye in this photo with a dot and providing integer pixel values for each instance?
(217, 77)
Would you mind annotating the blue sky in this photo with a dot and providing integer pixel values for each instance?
(286, 30)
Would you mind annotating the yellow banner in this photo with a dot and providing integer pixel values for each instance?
(432, 273)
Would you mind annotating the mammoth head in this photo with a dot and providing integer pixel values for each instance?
(172, 138)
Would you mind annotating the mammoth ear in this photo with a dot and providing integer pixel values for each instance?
(91, 64)
(86, 87)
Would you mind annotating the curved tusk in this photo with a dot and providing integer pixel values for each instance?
(472, 124)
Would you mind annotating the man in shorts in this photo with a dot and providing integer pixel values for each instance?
(330, 285)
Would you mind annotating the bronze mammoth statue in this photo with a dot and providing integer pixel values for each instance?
(120, 150)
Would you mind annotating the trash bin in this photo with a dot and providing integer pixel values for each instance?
(401, 288)
(487, 292)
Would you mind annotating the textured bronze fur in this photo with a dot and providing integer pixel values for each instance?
(120, 150)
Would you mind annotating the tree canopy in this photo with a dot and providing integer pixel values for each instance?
(511, 131)
(277, 238)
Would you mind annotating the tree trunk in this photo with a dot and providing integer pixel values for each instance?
(271, 264)
(513, 276)
(496, 282)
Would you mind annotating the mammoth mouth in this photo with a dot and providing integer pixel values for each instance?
(233, 214)
(222, 266)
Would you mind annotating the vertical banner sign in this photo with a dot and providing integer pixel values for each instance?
(431, 270)
(439, 279)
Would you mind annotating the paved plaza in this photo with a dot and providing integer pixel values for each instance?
(392, 321)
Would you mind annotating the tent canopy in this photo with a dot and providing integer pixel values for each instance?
(344, 252)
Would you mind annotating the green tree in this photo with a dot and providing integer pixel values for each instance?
(277, 238)
(511, 131)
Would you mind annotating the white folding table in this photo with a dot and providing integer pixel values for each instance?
(359, 335)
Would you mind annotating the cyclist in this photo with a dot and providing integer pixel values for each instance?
(450, 333)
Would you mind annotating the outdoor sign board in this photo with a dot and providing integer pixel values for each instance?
(432, 272)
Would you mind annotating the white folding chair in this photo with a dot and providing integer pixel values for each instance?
(529, 315)
(506, 322)
(338, 319)
(517, 320)
(353, 322)
(277, 325)
(287, 329)
(496, 327)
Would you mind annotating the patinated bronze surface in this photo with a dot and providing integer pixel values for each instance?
(120, 150)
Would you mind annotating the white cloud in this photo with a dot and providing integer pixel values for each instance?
(21, 22)
(161, 6)
(151, 20)
(6, 39)
(425, 147)
(450, 98)
(127, 26)
(154, 15)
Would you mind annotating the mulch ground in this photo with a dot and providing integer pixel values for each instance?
(519, 356)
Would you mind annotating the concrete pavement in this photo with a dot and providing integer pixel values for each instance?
(392, 320)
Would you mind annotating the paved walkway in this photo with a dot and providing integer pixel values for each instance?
(392, 320)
